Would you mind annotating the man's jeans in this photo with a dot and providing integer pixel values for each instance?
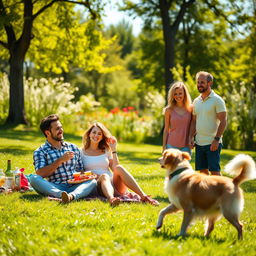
(47, 188)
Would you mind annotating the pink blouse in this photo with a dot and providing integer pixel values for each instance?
(179, 129)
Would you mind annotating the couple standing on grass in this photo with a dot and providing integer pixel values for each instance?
(205, 120)
(57, 160)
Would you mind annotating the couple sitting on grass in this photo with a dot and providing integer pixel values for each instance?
(57, 160)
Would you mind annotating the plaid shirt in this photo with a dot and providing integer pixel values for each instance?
(47, 154)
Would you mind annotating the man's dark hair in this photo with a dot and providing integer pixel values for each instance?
(45, 124)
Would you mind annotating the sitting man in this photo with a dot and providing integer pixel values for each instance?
(57, 160)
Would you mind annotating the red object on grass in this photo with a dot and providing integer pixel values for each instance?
(23, 180)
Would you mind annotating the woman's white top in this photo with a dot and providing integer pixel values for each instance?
(97, 164)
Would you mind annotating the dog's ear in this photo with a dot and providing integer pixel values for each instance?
(171, 159)
(186, 155)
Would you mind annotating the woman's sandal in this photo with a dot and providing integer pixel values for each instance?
(115, 201)
(148, 199)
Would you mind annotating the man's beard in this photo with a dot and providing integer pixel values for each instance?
(202, 89)
(57, 138)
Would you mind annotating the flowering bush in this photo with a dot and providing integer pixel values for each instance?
(125, 124)
(44, 97)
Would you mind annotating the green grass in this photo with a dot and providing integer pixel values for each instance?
(32, 225)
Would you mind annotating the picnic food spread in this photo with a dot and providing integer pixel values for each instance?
(80, 177)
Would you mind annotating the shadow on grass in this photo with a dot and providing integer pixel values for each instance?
(161, 199)
(30, 135)
(14, 150)
(32, 197)
(149, 177)
(166, 235)
(136, 157)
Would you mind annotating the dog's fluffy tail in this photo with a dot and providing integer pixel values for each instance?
(243, 167)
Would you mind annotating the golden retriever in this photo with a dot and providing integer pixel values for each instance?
(200, 195)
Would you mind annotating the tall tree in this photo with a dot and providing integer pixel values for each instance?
(16, 28)
(170, 14)
(123, 31)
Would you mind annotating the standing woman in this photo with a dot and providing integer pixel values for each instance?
(178, 115)
(99, 156)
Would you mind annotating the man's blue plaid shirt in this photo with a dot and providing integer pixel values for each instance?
(47, 154)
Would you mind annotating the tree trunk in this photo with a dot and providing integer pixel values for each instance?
(16, 104)
(169, 43)
(17, 50)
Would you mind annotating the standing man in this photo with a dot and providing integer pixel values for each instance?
(208, 125)
(57, 160)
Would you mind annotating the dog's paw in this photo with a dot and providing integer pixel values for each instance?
(182, 234)
(158, 226)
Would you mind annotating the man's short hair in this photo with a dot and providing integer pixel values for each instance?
(209, 76)
(45, 124)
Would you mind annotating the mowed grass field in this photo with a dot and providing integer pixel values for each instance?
(32, 225)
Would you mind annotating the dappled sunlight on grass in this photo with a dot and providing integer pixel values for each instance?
(33, 225)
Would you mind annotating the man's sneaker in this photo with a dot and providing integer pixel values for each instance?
(65, 197)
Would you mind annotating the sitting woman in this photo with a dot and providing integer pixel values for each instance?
(99, 155)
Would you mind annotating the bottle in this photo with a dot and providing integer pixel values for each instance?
(2, 178)
(16, 176)
(8, 171)
(9, 176)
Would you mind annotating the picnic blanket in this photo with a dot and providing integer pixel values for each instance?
(128, 197)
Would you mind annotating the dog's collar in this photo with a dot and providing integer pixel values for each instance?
(177, 172)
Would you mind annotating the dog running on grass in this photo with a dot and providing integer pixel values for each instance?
(200, 195)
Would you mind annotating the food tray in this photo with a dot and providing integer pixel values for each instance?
(86, 178)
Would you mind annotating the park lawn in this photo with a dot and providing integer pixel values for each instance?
(32, 225)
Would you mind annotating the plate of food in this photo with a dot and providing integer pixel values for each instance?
(82, 177)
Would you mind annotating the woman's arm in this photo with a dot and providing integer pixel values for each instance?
(167, 116)
(113, 146)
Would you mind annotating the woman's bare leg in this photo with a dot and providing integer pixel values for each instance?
(123, 179)
(107, 189)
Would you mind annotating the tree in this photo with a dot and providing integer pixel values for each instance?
(170, 14)
(123, 30)
(17, 31)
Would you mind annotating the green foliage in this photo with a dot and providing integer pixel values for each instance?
(147, 61)
(111, 89)
(4, 97)
(33, 225)
(241, 103)
(62, 36)
(187, 77)
(123, 31)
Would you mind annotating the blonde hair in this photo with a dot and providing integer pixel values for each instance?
(171, 102)
(104, 145)
(209, 76)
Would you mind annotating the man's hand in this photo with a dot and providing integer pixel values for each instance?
(67, 156)
(214, 145)
(191, 143)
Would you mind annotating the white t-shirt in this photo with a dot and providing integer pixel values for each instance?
(97, 164)
(206, 121)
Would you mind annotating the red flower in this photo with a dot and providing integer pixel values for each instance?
(130, 108)
(125, 109)
(115, 110)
